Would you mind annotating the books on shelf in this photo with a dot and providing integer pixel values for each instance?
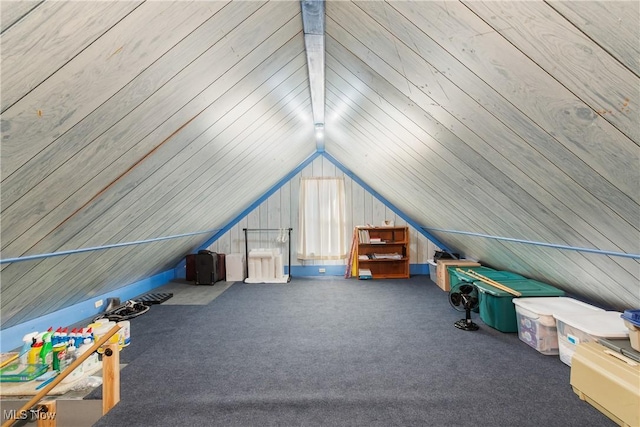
(364, 273)
(386, 256)
(366, 257)
(364, 237)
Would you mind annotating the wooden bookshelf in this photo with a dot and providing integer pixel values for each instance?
(384, 251)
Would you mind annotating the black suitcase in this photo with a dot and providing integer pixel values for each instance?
(222, 267)
(206, 267)
(190, 267)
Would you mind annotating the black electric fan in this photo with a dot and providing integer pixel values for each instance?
(464, 296)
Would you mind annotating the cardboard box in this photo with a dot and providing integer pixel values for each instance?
(443, 275)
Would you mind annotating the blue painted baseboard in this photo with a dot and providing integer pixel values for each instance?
(11, 338)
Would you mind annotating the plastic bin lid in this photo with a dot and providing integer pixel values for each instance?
(605, 324)
(547, 306)
(632, 316)
(622, 346)
(527, 287)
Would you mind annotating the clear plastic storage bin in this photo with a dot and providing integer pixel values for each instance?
(433, 275)
(536, 324)
(579, 327)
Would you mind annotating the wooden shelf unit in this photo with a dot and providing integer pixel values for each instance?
(393, 240)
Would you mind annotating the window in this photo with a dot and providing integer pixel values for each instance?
(322, 219)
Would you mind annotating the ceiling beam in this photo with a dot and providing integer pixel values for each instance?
(313, 26)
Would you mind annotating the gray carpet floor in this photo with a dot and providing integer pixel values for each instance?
(331, 351)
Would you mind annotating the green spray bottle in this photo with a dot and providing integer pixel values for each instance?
(46, 354)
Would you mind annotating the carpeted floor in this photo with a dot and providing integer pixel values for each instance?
(331, 351)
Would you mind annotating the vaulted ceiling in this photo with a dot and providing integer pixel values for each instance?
(123, 121)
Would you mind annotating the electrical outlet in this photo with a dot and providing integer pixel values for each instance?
(98, 303)
(321, 270)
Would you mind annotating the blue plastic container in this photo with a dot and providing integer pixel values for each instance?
(632, 322)
(633, 316)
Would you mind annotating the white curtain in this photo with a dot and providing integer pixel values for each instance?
(322, 234)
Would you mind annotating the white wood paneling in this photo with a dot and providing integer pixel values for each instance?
(27, 47)
(575, 61)
(111, 62)
(160, 125)
(611, 24)
(463, 98)
(13, 11)
(105, 125)
(516, 152)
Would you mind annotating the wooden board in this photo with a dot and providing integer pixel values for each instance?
(442, 274)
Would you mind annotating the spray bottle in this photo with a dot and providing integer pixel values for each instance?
(55, 339)
(46, 353)
(92, 361)
(27, 342)
(33, 357)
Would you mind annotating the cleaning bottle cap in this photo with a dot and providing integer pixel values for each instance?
(28, 338)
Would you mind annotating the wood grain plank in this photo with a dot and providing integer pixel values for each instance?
(130, 99)
(35, 49)
(109, 63)
(515, 152)
(399, 159)
(487, 175)
(576, 147)
(612, 25)
(569, 56)
(147, 127)
(13, 11)
(273, 210)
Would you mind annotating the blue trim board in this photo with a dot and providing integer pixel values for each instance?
(532, 242)
(11, 338)
(99, 248)
(314, 270)
(388, 204)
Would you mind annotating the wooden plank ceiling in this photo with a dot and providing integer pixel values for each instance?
(124, 121)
